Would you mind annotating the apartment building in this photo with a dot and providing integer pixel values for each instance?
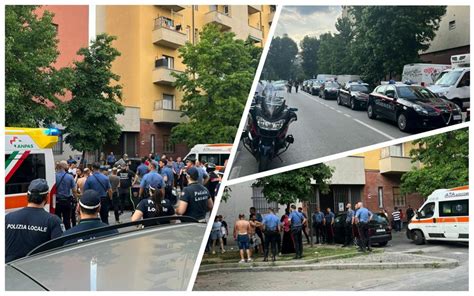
(149, 38)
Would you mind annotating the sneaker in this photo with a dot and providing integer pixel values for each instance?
(213, 252)
(242, 261)
(249, 260)
(223, 251)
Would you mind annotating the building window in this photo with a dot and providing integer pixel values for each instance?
(152, 143)
(380, 197)
(168, 147)
(169, 61)
(196, 35)
(56, 27)
(58, 149)
(399, 200)
(129, 143)
(452, 25)
(260, 202)
(196, 7)
(188, 33)
(226, 9)
(168, 102)
(395, 150)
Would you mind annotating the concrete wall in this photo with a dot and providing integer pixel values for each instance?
(348, 171)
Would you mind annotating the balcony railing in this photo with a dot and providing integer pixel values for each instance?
(162, 75)
(396, 165)
(163, 114)
(219, 18)
(167, 33)
(255, 33)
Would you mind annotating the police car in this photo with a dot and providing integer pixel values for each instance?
(444, 217)
(155, 258)
(354, 95)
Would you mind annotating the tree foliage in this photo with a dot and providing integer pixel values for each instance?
(280, 59)
(216, 84)
(309, 54)
(291, 186)
(91, 118)
(32, 83)
(445, 163)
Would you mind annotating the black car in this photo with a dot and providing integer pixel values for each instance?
(412, 107)
(329, 90)
(380, 231)
(354, 95)
(314, 87)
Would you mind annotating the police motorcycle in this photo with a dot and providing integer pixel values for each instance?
(265, 135)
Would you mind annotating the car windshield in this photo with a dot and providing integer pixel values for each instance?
(331, 85)
(449, 78)
(361, 88)
(380, 218)
(415, 93)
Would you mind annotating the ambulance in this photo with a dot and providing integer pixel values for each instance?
(211, 153)
(444, 217)
(28, 156)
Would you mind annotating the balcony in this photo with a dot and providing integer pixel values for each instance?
(254, 9)
(162, 75)
(163, 115)
(175, 8)
(255, 34)
(395, 165)
(219, 18)
(165, 33)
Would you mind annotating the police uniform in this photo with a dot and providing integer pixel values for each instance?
(363, 216)
(30, 227)
(101, 184)
(271, 223)
(64, 200)
(168, 172)
(318, 218)
(152, 179)
(296, 219)
(348, 228)
(90, 200)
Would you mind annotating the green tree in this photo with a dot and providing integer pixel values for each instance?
(388, 37)
(309, 54)
(90, 120)
(216, 84)
(280, 59)
(445, 163)
(32, 83)
(289, 187)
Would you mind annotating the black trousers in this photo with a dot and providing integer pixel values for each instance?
(364, 239)
(63, 211)
(271, 238)
(124, 194)
(116, 205)
(305, 232)
(298, 237)
(169, 194)
(319, 231)
(104, 209)
(73, 211)
(348, 234)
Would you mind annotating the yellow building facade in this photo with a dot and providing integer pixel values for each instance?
(148, 38)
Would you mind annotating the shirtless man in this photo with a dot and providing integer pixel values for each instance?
(255, 241)
(241, 235)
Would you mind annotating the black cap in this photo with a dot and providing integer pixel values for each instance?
(38, 186)
(90, 199)
(193, 173)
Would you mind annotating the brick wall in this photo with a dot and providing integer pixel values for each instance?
(147, 128)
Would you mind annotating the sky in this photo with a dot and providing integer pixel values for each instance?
(299, 21)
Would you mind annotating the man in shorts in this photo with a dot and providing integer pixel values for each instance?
(255, 241)
(241, 235)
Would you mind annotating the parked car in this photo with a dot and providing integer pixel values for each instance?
(315, 87)
(156, 258)
(354, 95)
(329, 90)
(380, 231)
(305, 85)
(412, 107)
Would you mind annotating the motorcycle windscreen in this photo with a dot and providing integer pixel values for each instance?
(273, 102)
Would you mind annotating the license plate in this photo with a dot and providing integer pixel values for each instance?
(380, 230)
(457, 117)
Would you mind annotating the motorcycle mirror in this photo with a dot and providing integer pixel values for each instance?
(293, 109)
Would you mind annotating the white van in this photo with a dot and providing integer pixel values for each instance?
(444, 216)
(325, 77)
(211, 153)
(28, 156)
(423, 74)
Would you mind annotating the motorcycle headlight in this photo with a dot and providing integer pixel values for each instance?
(420, 109)
(268, 125)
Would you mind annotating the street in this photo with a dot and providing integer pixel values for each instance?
(323, 128)
(415, 279)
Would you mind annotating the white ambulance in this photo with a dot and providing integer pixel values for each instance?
(211, 153)
(28, 156)
(443, 216)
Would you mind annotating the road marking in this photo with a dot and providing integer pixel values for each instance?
(339, 111)
(374, 129)
(347, 115)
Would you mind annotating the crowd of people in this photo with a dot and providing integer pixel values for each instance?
(85, 196)
(271, 236)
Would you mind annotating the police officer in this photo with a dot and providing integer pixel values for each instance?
(297, 220)
(196, 200)
(166, 173)
(271, 229)
(100, 183)
(31, 226)
(318, 218)
(153, 179)
(348, 226)
(213, 179)
(89, 208)
(363, 217)
(66, 191)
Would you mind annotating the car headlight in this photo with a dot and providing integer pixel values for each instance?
(268, 125)
(420, 109)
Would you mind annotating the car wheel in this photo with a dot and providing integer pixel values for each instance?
(418, 237)
(403, 123)
(339, 100)
(353, 104)
(383, 244)
(371, 112)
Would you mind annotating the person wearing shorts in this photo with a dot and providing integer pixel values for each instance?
(241, 235)
(216, 235)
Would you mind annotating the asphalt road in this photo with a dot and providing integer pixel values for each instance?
(456, 279)
(323, 128)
